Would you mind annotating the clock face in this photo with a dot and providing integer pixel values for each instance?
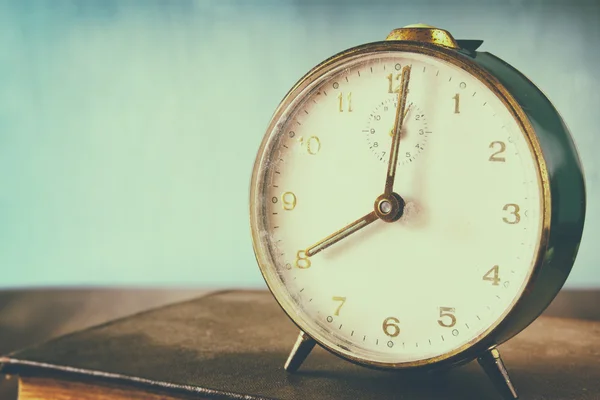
(432, 282)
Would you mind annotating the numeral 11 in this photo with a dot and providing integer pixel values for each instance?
(341, 102)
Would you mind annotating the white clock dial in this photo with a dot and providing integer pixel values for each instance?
(453, 265)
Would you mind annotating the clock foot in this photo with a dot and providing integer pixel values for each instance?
(494, 367)
(302, 348)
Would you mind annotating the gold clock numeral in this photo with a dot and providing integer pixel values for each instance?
(302, 261)
(338, 298)
(391, 328)
(341, 102)
(456, 103)
(514, 213)
(289, 201)
(492, 275)
(494, 156)
(390, 79)
(313, 144)
(449, 313)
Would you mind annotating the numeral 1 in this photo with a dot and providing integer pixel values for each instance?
(456, 103)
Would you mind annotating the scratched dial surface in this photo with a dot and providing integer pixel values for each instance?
(452, 266)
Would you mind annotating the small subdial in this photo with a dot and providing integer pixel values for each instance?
(380, 130)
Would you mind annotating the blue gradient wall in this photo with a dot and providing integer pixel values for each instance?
(128, 129)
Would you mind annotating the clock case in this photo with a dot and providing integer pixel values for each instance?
(562, 181)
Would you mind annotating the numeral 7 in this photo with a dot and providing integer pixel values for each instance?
(338, 298)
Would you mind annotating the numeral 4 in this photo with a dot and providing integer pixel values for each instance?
(492, 275)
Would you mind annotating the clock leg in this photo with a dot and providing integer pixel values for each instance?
(302, 348)
(492, 364)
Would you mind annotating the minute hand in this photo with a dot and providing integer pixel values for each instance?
(393, 162)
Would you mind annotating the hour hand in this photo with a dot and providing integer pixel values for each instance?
(341, 234)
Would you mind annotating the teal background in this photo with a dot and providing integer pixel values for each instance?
(128, 129)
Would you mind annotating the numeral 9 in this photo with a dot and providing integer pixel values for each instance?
(289, 201)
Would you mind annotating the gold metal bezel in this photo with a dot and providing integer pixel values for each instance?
(486, 339)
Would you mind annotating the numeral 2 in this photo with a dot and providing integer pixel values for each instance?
(494, 156)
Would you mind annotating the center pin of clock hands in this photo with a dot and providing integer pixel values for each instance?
(389, 206)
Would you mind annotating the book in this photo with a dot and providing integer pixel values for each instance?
(233, 345)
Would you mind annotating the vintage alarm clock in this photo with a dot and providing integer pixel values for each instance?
(415, 203)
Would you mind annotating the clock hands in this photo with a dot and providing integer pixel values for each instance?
(403, 118)
(389, 206)
(341, 234)
(400, 114)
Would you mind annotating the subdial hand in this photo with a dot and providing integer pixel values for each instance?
(341, 234)
(403, 118)
(400, 114)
